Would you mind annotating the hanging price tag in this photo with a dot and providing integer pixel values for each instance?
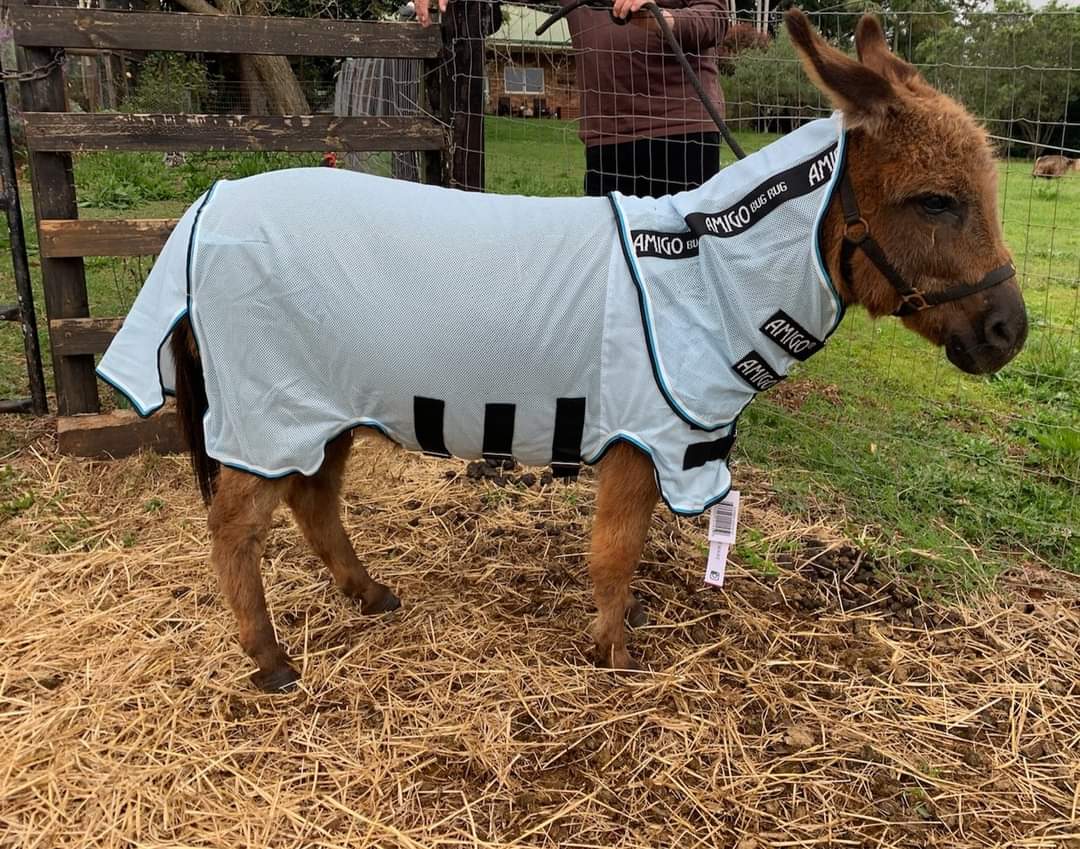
(717, 565)
(724, 518)
(722, 523)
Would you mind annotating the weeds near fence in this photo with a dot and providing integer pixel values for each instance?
(125, 181)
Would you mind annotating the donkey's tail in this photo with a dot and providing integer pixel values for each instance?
(191, 405)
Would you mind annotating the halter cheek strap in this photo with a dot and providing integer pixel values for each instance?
(857, 237)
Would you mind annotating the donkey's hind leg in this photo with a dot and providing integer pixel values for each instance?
(239, 520)
(636, 617)
(315, 502)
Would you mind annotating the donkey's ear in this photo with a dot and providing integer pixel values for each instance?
(875, 54)
(862, 94)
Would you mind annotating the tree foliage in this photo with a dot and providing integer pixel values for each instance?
(769, 87)
(1014, 67)
(337, 9)
(739, 38)
(169, 82)
(906, 22)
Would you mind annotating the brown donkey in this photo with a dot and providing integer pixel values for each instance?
(913, 225)
(1054, 166)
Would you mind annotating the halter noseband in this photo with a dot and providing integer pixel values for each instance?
(857, 237)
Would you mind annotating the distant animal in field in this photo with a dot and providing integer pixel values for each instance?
(1054, 166)
(625, 332)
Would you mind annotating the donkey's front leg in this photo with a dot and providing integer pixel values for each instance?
(624, 506)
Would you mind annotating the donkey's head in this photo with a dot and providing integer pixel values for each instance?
(917, 233)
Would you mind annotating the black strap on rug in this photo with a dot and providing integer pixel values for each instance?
(566, 444)
(699, 453)
(499, 432)
(428, 416)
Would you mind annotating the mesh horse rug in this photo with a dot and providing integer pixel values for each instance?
(473, 325)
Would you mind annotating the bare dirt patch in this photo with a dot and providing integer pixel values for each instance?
(816, 702)
(792, 394)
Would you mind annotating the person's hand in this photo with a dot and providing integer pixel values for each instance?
(423, 12)
(632, 9)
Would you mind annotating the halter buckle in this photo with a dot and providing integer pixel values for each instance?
(857, 230)
(915, 301)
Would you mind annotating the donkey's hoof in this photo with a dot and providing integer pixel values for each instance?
(636, 617)
(616, 660)
(276, 680)
(384, 602)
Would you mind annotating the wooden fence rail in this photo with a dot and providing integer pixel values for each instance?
(94, 29)
(108, 237)
(109, 131)
(53, 135)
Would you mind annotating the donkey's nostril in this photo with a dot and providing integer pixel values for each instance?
(1003, 329)
(999, 334)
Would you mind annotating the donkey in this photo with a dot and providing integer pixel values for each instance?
(894, 204)
(1054, 166)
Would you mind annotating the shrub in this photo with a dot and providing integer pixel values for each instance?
(768, 87)
(117, 180)
(168, 82)
(739, 37)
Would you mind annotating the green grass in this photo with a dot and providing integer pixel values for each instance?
(950, 475)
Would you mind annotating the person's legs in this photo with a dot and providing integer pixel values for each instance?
(683, 162)
(652, 167)
(614, 168)
(642, 166)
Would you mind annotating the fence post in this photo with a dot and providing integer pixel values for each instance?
(465, 26)
(63, 279)
(435, 75)
(39, 404)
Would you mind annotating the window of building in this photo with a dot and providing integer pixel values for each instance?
(523, 80)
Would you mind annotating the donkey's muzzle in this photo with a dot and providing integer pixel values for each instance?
(993, 338)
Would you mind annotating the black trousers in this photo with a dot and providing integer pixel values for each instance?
(652, 167)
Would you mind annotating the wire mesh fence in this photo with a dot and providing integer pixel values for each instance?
(879, 431)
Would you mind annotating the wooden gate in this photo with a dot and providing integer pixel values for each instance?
(53, 135)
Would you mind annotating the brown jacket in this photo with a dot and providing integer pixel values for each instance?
(631, 84)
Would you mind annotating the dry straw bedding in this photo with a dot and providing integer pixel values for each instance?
(817, 704)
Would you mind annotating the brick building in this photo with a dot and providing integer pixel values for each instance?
(529, 75)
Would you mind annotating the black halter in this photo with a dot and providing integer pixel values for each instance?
(857, 237)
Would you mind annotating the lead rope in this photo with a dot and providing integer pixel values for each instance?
(857, 231)
(673, 43)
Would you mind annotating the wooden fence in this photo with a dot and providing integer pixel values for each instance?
(53, 134)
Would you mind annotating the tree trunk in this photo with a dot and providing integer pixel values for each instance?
(283, 92)
(254, 92)
(281, 86)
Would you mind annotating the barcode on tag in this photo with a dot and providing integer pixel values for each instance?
(717, 565)
(724, 519)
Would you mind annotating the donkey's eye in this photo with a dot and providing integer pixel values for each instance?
(936, 204)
